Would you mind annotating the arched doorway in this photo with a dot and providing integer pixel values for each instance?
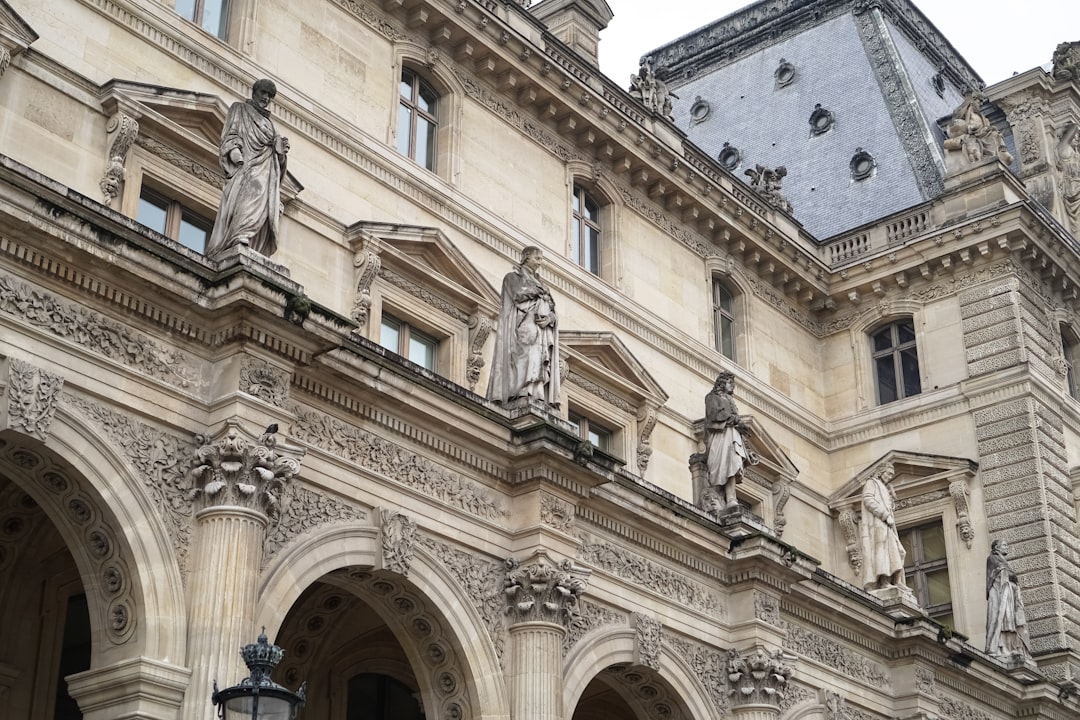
(629, 692)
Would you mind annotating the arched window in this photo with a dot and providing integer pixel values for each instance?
(417, 119)
(896, 361)
(374, 696)
(723, 319)
(585, 231)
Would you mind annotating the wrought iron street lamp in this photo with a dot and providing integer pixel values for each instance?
(257, 697)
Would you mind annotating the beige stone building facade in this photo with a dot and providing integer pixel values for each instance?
(193, 449)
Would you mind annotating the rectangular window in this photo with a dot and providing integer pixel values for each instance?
(724, 319)
(592, 431)
(211, 15)
(927, 570)
(173, 219)
(408, 342)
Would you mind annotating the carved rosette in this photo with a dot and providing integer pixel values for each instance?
(758, 679)
(233, 470)
(542, 591)
(647, 636)
(367, 264)
(479, 329)
(124, 130)
(398, 539)
(848, 520)
(32, 397)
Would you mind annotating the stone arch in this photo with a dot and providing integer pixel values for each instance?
(437, 622)
(615, 651)
(111, 527)
(817, 711)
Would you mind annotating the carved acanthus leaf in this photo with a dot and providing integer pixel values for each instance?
(589, 617)
(647, 638)
(32, 397)
(759, 678)
(958, 490)
(848, 519)
(124, 130)
(233, 470)
(302, 509)
(398, 538)
(367, 264)
(646, 423)
(543, 591)
(817, 646)
(708, 666)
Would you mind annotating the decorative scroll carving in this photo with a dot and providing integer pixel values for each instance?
(848, 520)
(32, 397)
(659, 579)
(424, 295)
(232, 470)
(396, 463)
(481, 580)
(839, 657)
(479, 329)
(96, 333)
(159, 459)
(766, 183)
(590, 616)
(264, 381)
(647, 639)
(556, 513)
(758, 679)
(398, 538)
(367, 264)
(124, 130)
(958, 490)
(302, 509)
(766, 608)
(708, 666)
(646, 422)
(541, 591)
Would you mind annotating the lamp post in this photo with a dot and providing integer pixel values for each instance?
(257, 697)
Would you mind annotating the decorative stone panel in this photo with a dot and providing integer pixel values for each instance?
(32, 396)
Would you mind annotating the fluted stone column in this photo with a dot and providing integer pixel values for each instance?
(237, 485)
(542, 600)
(757, 684)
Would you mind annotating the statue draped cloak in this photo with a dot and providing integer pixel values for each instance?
(726, 452)
(525, 353)
(251, 200)
(882, 552)
(1006, 622)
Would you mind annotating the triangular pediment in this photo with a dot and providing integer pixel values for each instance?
(914, 474)
(770, 454)
(195, 118)
(603, 356)
(426, 256)
(15, 33)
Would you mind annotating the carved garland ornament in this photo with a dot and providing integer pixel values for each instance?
(32, 397)
(590, 616)
(542, 592)
(816, 646)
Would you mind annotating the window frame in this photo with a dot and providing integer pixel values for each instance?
(1070, 353)
(896, 352)
(177, 210)
(917, 568)
(418, 84)
(406, 331)
(588, 425)
(198, 16)
(581, 222)
(719, 314)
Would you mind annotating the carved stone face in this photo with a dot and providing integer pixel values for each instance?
(261, 97)
(533, 261)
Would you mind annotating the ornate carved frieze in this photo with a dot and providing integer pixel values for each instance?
(124, 129)
(264, 381)
(301, 509)
(424, 295)
(96, 333)
(759, 678)
(818, 647)
(661, 580)
(367, 264)
(398, 538)
(959, 710)
(181, 161)
(479, 328)
(543, 591)
(647, 637)
(233, 470)
(837, 708)
(396, 463)
(590, 616)
(481, 580)
(160, 460)
(556, 513)
(31, 398)
(708, 665)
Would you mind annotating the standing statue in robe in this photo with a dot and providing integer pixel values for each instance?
(725, 432)
(253, 155)
(883, 555)
(526, 361)
(1006, 623)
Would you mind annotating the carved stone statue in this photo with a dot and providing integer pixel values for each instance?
(1006, 623)
(651, 91)
(883, 555)
(253, 155)
(971, 138)
(766, 183)
(725, 437)
(526, 361)
(1068, 167)
(1066, 61)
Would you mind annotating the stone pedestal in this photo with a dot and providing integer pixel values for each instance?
(536, 682)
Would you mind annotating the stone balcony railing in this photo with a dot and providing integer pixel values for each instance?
(863, 241)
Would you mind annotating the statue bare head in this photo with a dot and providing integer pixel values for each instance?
(262, 92)
(725, 382)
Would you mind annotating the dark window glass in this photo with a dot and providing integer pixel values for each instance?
(211, 15)
(412, 344)
(372, 696)
(592, 431)
(417, 122)
(173, 220)
(74, 655)
(724, 319)
(585, 231)
(896, 361)
(927, 570)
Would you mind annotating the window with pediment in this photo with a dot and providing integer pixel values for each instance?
(418, 296)
(173, 216)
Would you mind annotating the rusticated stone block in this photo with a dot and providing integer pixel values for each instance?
(995, 363)
(997, 316)
(1027, 468)
(997, 523)
(1017, 423)
(986, 305)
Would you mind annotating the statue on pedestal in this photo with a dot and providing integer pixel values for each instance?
(725, 440)
(526, 361)
(253, 156)
(1006, 622)
(883, 555)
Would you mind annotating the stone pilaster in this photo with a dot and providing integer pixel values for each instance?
(237, 482)
(542, 600)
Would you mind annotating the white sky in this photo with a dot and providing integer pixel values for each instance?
(996, 37)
